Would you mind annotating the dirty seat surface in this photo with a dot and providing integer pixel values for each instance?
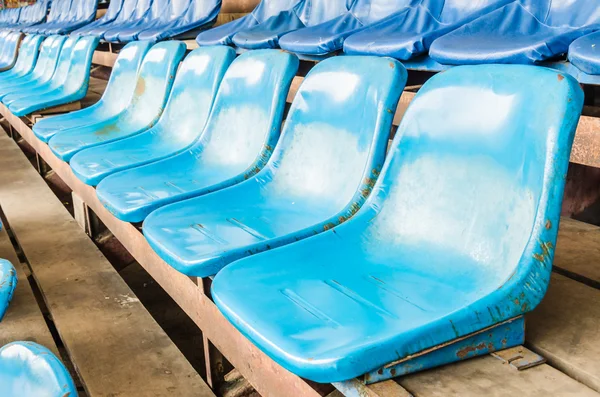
(8, 283)
(528, 32)
(458, 234)
(240, 133)
(584, 53)
(319, 175)
(180, 125)
(31, 370)
(152, 88)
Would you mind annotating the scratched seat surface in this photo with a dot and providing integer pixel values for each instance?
(69, 83)
(31, 370)
(44, 68)
(528, 32)
(410, 32)
(458, 234)
(223, 34)
(584, 53)
(127, 31)
(9, 49)
(117, 95)
(114, 8)
(132, 12)
(328, 37)
(238, 138)
(322, 169)
(8, 283)
(150, 94)
(27, 57)
(305, 13)
(181, 123)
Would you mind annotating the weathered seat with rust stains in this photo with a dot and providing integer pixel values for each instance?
(153, 85)
(457, 237)
(243, 126)
(321, 171)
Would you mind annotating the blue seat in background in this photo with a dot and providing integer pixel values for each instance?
(584, 53)
(59, 14)
(44, 68)
(63, 88)
(410, 32)
(238, 139)
(9, 50)
(328, 37)
(9, 17)
(455, 238)
(114, 8)
(131, 10)
(117, 95)
(32, 15)
(8, 283)
(264, 10)
(181, 123)
(526, 33)
(81, 13)
(26, 60)
(329, 155)
(143, 111)
(306, 13)
(127, 31)
(31, 370)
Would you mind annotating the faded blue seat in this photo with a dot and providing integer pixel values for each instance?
(69, 83)
(182, 122)
(457, 236)
(127, 31)
(584, 53)
(142, 112)
(81, 13)
(9, 17)
(264, 10)
(238, 138)
(9, 50)
(28, 53)
(410, 32)
(8, 283)
(131, 10)
(328, 37)
(31, 370)
(198, 15)
(43, 71)
(535, 31)
(117, 95)
(323, 168)
(306, 13)
(59, 11)
(32, 15)
(114, 8)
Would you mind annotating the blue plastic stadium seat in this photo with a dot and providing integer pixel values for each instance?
(31, 370)
(306, 13)
(264, 10)
(323, 168)
(8, 283)
(117, 95)
(238, 138)
(9, 17)
(43, 71)
(410, 32)
(328, 37)
(32, 15)
(131, 11)
(10, 42)
(457, 236)
(114, 8)
(28, 53)
(198, 14)
(181, 123)
(151, 92)
(131, 28)
(66, 16)
(69, 83)
(584, 53)
(59, 10)
(535, 31)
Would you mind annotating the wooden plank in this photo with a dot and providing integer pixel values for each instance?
(116, 346)
(267, 377)
(578, 249)
(104, 58)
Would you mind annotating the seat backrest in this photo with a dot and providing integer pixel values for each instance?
(157, 10)
(64, 61)
(369, 11)
(458, 10)
(574, 13)
(474, 179)
(142, 8)
(83, 10)
(78, 76)
(314, 12)
(56, 9)
(127, 11)
(64, 9)
(201, 9)
(268, 8)
(114, 7)
(49, 54)
(175, 10)
(28, 53)
(194, 90)
(37, 12)
(248, 110)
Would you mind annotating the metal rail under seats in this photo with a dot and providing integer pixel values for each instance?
(31, 370)
(131, 10)
(155, 9)
(59, 13)
(26, 59)
(322, 170)
(526, 33)
(64, 88)
(408, 34)
(179, 126)
(264, 10)
(112, 12)
(9, 49)
(8, 283)
(151, 92)
(32, 15)
(239, 136)
(584, 53)
(452, 248)
(303, 14)
(115, 99)
(42, 72)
